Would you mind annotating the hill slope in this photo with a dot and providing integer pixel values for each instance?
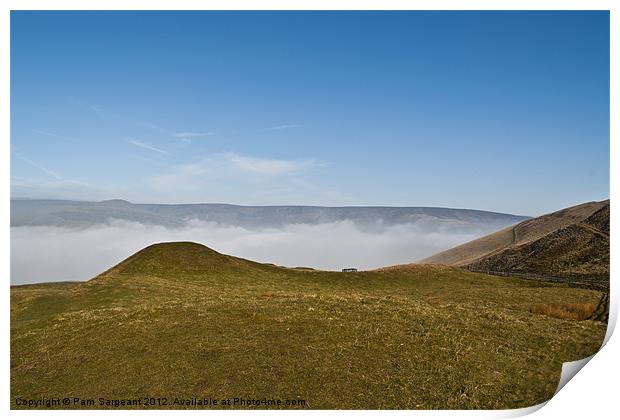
(181, 321)
(581, 248)
(574, 240)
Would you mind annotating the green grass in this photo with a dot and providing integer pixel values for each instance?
(179, 320)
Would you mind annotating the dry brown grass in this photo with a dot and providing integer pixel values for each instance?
(572, 311)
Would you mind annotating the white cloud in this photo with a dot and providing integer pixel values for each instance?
(222, 177)
(229, 167)
(38, 166)
(183, 177)
(284, 126)
(143, 145)
(265, 166)
(186, 137)
(48, 253)
(57, 189)
(192, 134)
(97, 111)
(47, 133)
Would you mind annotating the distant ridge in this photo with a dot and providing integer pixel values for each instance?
(33, 212)
(569, 242)
(116, 202)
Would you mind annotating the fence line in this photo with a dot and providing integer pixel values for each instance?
(596, 282)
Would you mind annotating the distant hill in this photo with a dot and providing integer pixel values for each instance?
(573, 241)
(26, 212)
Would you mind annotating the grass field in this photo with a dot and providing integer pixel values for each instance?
(181, 321)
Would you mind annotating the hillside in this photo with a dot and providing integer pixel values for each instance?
(579, 249)
(25, 212)
(182, 321)
(570, 241)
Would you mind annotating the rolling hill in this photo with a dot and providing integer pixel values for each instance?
(27, 212)
(178, 323)
(569, 242)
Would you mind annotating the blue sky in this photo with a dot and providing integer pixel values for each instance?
(503, 111)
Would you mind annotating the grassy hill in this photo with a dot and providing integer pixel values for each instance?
(570, 241)
(581, 248)
(179, 320)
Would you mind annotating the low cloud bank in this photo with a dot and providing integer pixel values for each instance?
(47, 253)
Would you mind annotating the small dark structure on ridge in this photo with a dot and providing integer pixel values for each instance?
(349, 270)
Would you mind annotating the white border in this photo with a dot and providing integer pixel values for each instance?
(592, 394)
